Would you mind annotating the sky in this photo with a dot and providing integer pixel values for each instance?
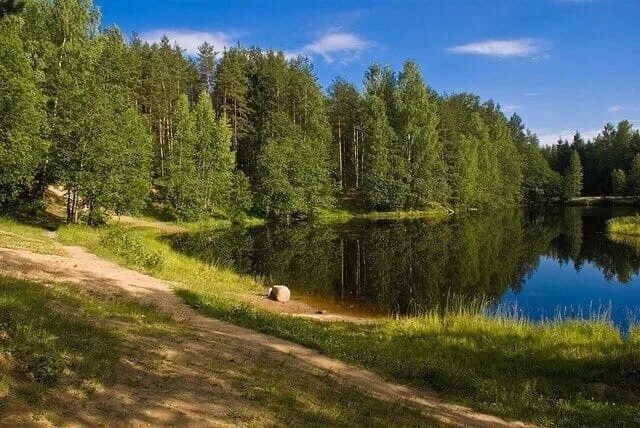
(562, 65)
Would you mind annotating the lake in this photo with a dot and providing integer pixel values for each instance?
(537, 264)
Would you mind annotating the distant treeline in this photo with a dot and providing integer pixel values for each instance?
(122, 124)
(610, 162)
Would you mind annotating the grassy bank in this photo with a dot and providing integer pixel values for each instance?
(625, 226)
(343, 215)
(20, 236)
(570, 373)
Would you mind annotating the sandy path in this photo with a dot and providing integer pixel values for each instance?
(215, 337)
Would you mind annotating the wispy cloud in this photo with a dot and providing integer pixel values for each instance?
(533, 94)
(505, 48)
(510, 108)
(344, 46)
(614, 109)
(189, 40)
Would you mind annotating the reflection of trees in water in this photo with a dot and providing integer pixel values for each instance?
(407, 267)
(582, 238)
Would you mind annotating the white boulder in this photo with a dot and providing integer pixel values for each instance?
(280, 293)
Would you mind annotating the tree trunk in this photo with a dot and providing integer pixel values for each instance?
(340, 152)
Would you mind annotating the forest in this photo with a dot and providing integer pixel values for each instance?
(122, 125)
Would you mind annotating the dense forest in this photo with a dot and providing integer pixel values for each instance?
(121, 124)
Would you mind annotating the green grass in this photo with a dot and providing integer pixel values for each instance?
(25, 237)
(567, 373)
(53, 335)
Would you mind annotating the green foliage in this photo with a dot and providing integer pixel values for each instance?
(11, 7)
(618, 182)
(180, 168)
(418, 139)
(200, 177)
(573, 177)
(131, 248)
(288, 184)
(634, 177)
(613, 149)
(126, 118)
(292, 170)
(346, 118)
(382, 184)
(22, 121)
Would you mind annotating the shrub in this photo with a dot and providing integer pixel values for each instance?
(130, 247)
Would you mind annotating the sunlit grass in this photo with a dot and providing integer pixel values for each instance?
(57, 334)
(23, 237)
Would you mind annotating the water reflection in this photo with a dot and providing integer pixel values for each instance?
(408, 267)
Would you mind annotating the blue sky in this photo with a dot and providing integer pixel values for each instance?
(563, 65)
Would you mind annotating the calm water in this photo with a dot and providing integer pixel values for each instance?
(540, 263)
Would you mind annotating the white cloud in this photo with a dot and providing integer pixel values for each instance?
(189, 40)
(549, 138)
(502, 48)
(533, 94)
(614, 109)
(335, 44)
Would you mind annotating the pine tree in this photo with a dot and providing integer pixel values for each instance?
(634, 177)
(618, 182)
(573, 177)
(380, 82)
(345, 116)
(181, 170)
(207, 66)
(417, 132)
(231, 88)
(378, 184)
(214, 160)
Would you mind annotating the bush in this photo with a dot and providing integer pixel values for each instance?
(131, 248)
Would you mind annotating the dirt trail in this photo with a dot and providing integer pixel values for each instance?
(214, 338)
